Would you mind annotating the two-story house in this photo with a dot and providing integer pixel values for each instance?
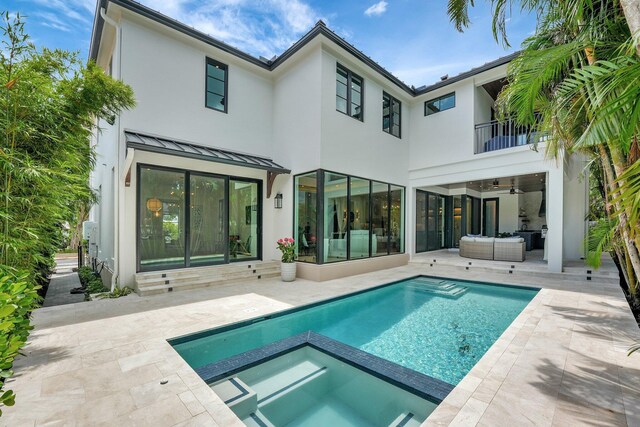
(225, 153)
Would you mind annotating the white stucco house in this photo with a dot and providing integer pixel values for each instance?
(225, 153)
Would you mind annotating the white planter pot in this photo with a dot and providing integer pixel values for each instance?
(288, 271)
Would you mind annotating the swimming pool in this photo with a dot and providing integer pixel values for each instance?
(438, 327)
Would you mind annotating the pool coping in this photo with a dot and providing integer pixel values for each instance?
(424, 386)
(571, 339)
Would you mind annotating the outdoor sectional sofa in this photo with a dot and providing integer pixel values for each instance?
(505, 249)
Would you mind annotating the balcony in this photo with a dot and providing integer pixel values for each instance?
(497, 135)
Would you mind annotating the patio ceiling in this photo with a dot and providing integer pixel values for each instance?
(526, 183)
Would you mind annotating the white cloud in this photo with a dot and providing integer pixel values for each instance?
(264, 28)
(377, 9)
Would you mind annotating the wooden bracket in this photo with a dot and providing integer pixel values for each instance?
(271, 177)
(127, 179)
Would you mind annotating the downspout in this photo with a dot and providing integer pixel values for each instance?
(116, 184)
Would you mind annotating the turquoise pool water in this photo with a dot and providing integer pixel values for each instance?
(441, 330)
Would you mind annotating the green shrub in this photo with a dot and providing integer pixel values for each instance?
(85, 274)
(95, 285)
(116, 293)
(17, 298)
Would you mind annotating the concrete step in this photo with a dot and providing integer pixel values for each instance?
(158, 289)
(198, 271)
(208, 275)
(150, 283)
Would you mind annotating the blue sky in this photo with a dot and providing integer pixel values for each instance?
(411, 38)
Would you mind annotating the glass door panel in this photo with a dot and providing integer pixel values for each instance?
(244, 219)
(207, 220)
(421, 221)
(432, 222)
(380, 218)
(396, 243)
(441, 221)
(457, 220)
(336, 217)
(359, 227)
(306, 190)
(161, 229)
(490, 211)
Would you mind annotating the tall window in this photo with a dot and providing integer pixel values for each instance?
(442, 103)
(306, 226)
(349, 90)
(340, 217)
(391, 114)
(216, 85)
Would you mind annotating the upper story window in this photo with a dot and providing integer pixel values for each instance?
(216, 85)
(445, 102)
(349, 91)
(391, 114)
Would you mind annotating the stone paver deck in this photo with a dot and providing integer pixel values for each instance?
(562, 362)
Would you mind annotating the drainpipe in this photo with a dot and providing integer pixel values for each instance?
(117, 181)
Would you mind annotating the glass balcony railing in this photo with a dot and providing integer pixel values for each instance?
(497, 135)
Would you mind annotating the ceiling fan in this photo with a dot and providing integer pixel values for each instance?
(496, 185)
(513, 191)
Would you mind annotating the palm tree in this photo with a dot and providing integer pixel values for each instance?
(576, 78)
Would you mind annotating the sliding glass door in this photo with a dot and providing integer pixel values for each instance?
(189, 219)
(162, 218)
(430, 221)
(490, 215)
(207, 220)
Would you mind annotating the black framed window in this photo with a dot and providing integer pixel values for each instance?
(339, 217)
(216, 85)
(445, 102)
(189, 219)
(391, 115)
(349, 93)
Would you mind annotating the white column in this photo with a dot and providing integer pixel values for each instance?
(555, 208)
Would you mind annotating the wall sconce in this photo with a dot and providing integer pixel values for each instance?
(154, 205)
(277, 201)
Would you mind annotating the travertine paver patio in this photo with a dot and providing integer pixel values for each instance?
(562, 362)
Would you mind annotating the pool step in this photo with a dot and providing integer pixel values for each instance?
(438, 287)
(297, 379)
(241, 398)
(257, 419)
(406, 419)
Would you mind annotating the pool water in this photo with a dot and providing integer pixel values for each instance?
(438, 327)
(309, 388)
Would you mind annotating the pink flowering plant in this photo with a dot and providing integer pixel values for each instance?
(287, 246)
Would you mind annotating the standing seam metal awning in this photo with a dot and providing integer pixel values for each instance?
(184, 149)
(155, 144)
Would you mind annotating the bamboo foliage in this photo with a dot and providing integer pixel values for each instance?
(49, 104)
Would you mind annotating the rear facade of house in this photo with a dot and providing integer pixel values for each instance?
(225, 153)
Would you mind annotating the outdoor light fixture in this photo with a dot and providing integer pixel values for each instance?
(154, 205)
(278, 201)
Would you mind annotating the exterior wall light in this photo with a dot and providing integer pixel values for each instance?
(277, 201)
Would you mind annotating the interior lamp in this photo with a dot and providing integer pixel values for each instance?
(154, 205)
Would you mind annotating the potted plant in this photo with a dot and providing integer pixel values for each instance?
(288, 266)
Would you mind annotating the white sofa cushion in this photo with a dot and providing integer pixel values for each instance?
(468, 239)
(484, 239)
(511, 239)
